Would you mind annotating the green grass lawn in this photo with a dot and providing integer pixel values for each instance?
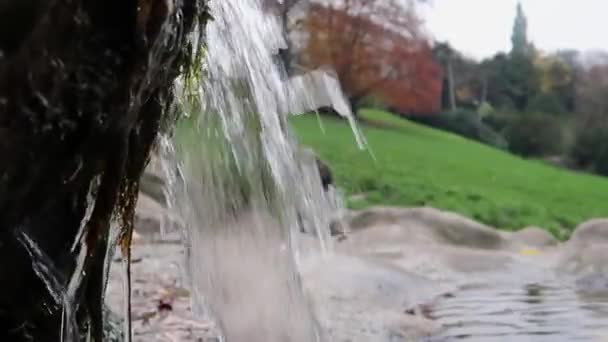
(416, 165)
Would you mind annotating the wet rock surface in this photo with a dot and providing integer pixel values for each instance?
(161, 309)
(408, 275)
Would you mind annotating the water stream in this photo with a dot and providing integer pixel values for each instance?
(549, 311)
(240, 184)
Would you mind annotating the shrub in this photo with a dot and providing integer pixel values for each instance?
(534, 134)
(547, 103)
(466, 123)
(590, 149)
(485, 110)
(498, 121)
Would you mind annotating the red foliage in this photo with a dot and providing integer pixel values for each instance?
(391, 62)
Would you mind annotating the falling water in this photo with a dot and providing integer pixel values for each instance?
(46, 271)
(243, 188)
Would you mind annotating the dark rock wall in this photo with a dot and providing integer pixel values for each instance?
(84, 86)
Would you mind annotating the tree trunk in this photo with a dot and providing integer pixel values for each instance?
(83, 90)
(484, 90)
(451, 86)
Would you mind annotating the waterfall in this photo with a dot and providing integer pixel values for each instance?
(241, 185)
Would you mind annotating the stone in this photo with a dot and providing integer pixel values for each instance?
(533, 237)
(338, 224)
(430, 224)
(592, 231)
(585, 258)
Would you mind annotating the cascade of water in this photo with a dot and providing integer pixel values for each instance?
(45, 270)
(242, 186)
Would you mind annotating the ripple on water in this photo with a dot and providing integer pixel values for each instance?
(551, 312)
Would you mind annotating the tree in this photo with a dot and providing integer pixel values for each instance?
(513, 80)
(496, 84)
(519, 37)
(592, 97)
(377, 49)
(463, 83)
(567, 92)
(522, 80)
(444, 53)
(557, 76)
(590, 148)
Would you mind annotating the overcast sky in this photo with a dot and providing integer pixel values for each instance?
(480, 28)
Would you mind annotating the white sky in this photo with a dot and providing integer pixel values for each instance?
(480, 28)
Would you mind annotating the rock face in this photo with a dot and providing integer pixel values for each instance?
(85, 88)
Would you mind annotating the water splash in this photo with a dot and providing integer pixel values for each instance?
(47, 272)
(240, 183)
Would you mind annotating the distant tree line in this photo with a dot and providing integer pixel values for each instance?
(543, 104)
(533, 103)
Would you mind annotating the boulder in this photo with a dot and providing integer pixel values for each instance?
(592, 231)
(533, 237)
(586, 253)
(430, 224)
(339, 222)
(585, 258)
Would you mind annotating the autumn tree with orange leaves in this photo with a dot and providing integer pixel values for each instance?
(378, 49)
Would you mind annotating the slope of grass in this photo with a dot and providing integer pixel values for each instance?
(416, 165)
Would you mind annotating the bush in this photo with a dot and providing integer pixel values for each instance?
(498, 121)
(534, 134)
(590, 149)
(546, 103)
(485, 110)
(466, 123)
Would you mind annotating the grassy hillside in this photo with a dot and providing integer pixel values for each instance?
(416, 165)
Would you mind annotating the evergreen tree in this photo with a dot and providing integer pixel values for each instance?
(519, 37)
